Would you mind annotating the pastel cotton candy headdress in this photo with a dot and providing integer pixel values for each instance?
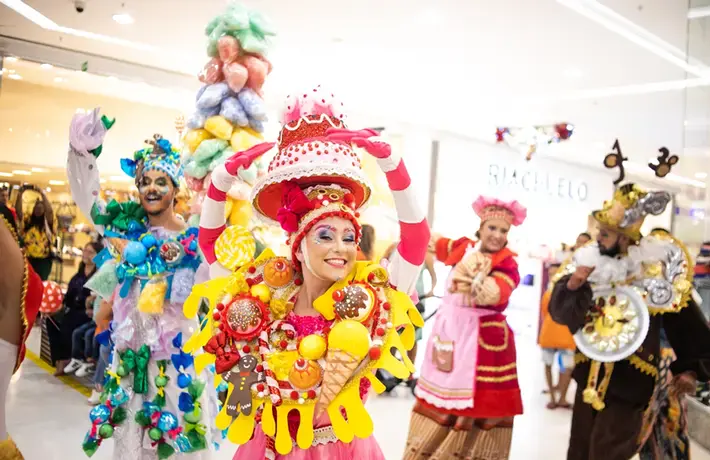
(160, 156)
(492, 208)
(311, 177)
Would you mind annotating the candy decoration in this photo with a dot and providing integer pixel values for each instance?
(219, 127)
(235, 247)
(194, 137)
(665, 162)
(312, 347)
(616, 160)
(52, 299)
(532, 138)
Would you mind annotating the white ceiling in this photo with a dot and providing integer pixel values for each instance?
(459, 68)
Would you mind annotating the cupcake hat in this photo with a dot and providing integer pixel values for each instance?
(492, 208)
(311, 177)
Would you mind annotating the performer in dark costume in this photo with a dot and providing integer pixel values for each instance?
(616, 296)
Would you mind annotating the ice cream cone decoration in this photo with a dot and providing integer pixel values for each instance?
(118, 244)
(349, 344)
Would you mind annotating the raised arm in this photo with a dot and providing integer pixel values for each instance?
(407, 260)
(212, 220)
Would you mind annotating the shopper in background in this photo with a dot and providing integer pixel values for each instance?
(556, 341)
(4, 197)
(37, 231)
(83, 352)
(468, 393)
(62, 325)
(366, 249)
(21, 296)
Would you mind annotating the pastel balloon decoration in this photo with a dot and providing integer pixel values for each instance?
(233, 111)
(237, 75)
(228, 49)
(212, 72)
(135, 253)
(219, 127)
(241, 213)
(194, 138)
(257, 70)
(52, 299)
(213, 95)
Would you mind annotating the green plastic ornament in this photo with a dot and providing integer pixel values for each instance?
(161, 381)
(106, 431)
(121, 371)
(194, 416)
(155, 434)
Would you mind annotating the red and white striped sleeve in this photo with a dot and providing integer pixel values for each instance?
(406, 262)
(212, 219)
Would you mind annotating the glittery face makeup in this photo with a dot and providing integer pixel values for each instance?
(330, 249)
(157, 192)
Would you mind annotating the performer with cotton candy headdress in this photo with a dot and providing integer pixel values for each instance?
(298, 338)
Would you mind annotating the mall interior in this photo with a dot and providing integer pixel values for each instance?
(552, 103)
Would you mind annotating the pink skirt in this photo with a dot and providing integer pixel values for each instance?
(358, 449)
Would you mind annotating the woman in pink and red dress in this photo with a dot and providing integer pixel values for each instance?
(467, 393)
(313, 190)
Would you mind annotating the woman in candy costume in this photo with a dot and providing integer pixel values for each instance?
(298, 337)
(21, 297)
(467, 393)
(154, 404)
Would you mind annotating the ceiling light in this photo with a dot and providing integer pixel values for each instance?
(56, 182)
(631, 31)
(46, 66)
(40, 170)
(573, 73)
(121, 179)
(58, 79)
(21, 172)
(699, 12)
(123, 19)
(48, 189)
(701, 175)
(102, 181)
(4, 174)
(15, 76)
(10, 58)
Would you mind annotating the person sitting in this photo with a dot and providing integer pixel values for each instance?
(82, 339)
(63, 324)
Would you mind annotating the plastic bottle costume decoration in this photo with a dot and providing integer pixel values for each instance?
(467, 392)
(154, 403)
(617, 317)
(230, 112)
(275, 361)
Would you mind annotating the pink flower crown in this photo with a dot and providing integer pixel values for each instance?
(492, 208)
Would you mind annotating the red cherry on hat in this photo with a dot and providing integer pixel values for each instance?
(375, 353)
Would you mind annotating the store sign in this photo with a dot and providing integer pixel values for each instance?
(531, 181)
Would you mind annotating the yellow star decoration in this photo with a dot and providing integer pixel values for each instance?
(348, 339)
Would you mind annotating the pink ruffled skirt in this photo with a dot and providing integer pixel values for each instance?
(359, 449)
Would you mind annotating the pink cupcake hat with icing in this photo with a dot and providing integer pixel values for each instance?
(306, 157)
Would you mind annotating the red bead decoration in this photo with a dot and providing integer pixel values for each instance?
(284, 344)
(216, 316)
(380, 331)
(298, 281)
(386, 306)
(375, 353)
(338, 295)
(252, 269)
(260, 368)
(260, 387)
(311, 394)
(220, 306)
(383, 320)
(371, 277)
(246, 349)
(294, 395)
(290, 334)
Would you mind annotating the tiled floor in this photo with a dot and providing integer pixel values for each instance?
(48, 419)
